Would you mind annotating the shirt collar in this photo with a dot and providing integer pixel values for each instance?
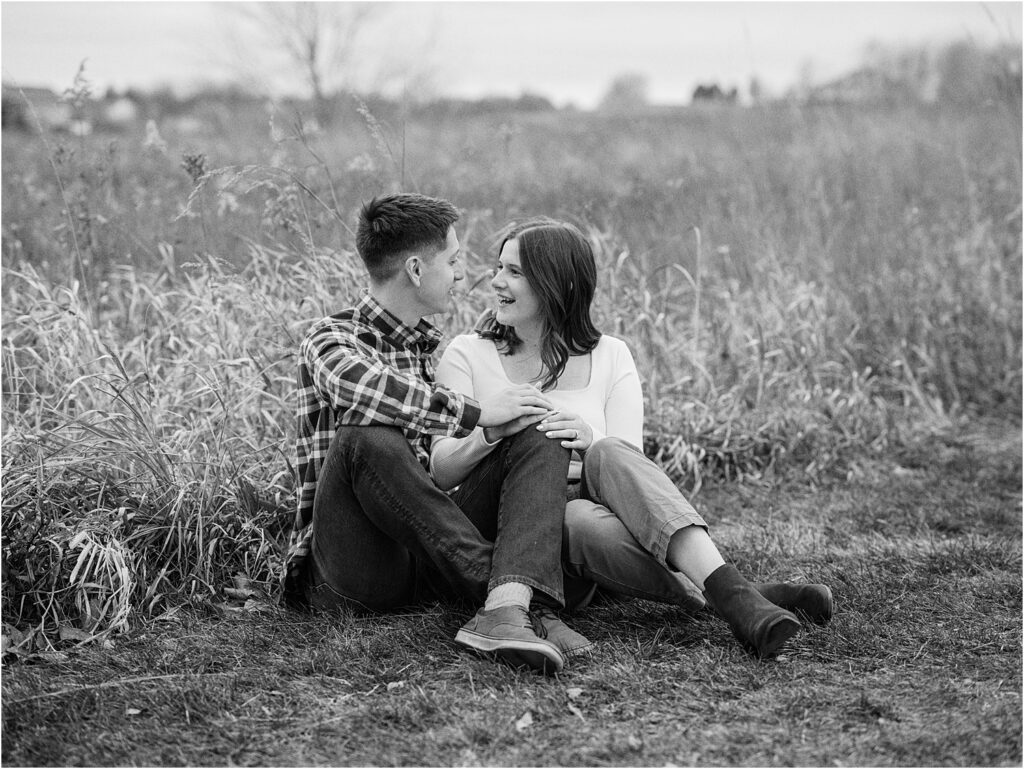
(425, 337)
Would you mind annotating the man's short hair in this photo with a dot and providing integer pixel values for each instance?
(393, 226)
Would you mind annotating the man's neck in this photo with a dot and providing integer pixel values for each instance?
(398, 302)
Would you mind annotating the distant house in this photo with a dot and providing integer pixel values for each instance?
(26, 108)
(714, 94)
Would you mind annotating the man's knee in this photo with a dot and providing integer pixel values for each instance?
(535, 441)
(371, 440)
(356, 448)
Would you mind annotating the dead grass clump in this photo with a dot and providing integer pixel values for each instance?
(146, 455)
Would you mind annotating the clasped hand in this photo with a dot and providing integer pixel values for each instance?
(516, 408)
(512, 410)
(574, 431)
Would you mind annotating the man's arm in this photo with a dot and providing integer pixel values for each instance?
(349, 376)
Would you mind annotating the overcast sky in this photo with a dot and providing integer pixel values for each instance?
(568, 51)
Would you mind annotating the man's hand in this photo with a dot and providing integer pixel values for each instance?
(512, 404)
(493, 434)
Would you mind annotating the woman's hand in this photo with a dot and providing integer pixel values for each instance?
(573, 431)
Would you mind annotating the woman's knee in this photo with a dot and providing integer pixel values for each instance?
(610, 445)
(577, 512)
(609, 451)
(588, 522)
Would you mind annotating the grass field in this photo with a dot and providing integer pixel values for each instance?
(921, 666)
(825, 306)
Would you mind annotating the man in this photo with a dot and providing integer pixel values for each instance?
(371, 528)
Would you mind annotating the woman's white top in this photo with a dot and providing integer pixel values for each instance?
(611, 403)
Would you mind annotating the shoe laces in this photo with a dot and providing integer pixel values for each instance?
(536, 622)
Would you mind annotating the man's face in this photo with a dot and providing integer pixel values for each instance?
(439, 275)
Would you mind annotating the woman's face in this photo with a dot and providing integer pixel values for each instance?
(517, 303)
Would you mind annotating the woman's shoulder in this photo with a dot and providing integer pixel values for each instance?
(469, 343)
(612, 346)
(612, 357)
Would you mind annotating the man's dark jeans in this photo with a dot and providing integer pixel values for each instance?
(385, 536)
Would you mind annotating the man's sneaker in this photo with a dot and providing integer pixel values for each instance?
(564, 637)
(814, 602)
(513, 634)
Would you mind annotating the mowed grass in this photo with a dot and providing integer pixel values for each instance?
(920, 667)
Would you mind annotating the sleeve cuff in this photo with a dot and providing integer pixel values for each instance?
(470, 415)
(451, 459)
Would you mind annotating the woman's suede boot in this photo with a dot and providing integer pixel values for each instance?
(760, 625)
(814, 602)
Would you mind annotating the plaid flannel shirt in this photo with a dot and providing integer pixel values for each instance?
(363, 366)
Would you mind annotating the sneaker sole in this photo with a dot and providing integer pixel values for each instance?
(536, 656)
(536, 661)
(575, 651)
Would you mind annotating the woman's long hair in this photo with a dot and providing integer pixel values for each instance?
(559, 265)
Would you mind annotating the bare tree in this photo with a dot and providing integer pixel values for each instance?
(314, 41)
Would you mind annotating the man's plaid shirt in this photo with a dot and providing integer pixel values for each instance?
(363, 366)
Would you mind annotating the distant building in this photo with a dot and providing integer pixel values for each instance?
(714, 94)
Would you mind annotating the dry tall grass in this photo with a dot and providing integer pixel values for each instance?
(857, 275)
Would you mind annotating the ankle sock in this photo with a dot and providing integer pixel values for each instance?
(509, 594)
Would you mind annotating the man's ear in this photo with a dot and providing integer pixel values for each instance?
(414, 269)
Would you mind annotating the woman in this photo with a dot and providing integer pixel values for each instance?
(627, 526)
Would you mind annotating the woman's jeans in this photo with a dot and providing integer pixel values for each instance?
(617, 531)
(385, 536)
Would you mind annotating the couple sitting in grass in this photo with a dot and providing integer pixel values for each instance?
(513, 476)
